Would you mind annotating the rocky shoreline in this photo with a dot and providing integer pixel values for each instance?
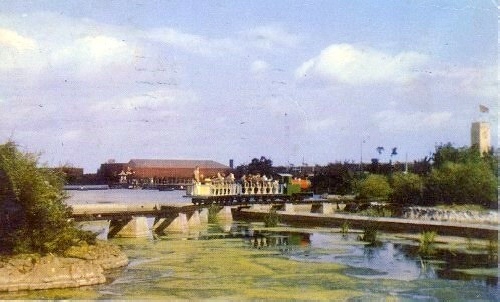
(436, 214)
(79, 266)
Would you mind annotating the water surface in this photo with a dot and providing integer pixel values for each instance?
(245, 261)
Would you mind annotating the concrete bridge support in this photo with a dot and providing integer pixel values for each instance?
(177, 223)
(136, 227)
(225, 214)
(204, 215)
(322, 208)
(195, 220)
(287, 208)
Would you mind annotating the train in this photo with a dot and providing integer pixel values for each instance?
(248, 190)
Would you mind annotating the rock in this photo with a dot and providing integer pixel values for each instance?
(81, 265)
(107, 255)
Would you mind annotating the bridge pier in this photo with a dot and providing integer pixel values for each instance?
(135, 227)
(195, 220)
(322, 208)
(225, 214)
(203, 215)
(177, 223)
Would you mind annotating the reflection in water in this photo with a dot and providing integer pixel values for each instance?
(384, 260)
(453, 265)
(284, 241)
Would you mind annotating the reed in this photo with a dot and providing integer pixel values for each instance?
(271, 219)
(427, 241)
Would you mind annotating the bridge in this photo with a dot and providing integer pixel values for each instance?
(142, 220)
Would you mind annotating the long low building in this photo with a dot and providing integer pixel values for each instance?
(159, 171)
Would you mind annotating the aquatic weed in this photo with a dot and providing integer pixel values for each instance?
(271, 219)
(213, 210)
(427, 240)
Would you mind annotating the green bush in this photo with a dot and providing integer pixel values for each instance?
(33, 217)
(461, 183)
(407, 188)
(374, 186)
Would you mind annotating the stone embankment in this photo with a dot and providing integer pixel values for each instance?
(83, 265)
(436, 214)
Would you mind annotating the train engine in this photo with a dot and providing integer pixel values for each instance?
(248, 190)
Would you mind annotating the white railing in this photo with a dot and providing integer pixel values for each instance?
(227, 189)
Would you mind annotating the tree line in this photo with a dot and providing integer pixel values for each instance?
(450, 176)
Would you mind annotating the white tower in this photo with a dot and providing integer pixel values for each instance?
(480, 136)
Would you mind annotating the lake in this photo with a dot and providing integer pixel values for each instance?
(246, 261)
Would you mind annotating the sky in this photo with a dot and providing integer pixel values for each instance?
(314, 82)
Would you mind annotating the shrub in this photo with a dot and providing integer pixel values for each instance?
(461, 183)
(33, 217)
(374, 186)
(407, 188)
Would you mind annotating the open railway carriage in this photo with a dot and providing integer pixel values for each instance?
(227, 191)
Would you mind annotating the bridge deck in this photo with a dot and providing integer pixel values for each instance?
(103, 211)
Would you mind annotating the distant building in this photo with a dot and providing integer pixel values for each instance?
(109, 172)
(159, 171)
(480, 136)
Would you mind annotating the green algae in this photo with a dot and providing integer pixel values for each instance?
(219, 266)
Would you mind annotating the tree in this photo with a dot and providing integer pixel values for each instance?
(262, 166)
(462, 176)
(461, 183)
(407, 188)
(34, 217)
(447, 153)
(334, 178)
(374, 186)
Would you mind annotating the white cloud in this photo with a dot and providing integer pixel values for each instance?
(396, 122)
(17, 51)
(345, 63)
(259, 66)
(91, 51)
(10, 38)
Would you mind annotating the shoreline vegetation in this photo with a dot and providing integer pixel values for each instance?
(40, 246)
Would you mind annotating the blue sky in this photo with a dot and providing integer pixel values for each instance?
(314, 81)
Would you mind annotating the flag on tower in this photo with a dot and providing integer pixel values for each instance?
(483, 109)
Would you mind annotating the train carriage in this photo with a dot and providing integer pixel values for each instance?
(250, 190)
